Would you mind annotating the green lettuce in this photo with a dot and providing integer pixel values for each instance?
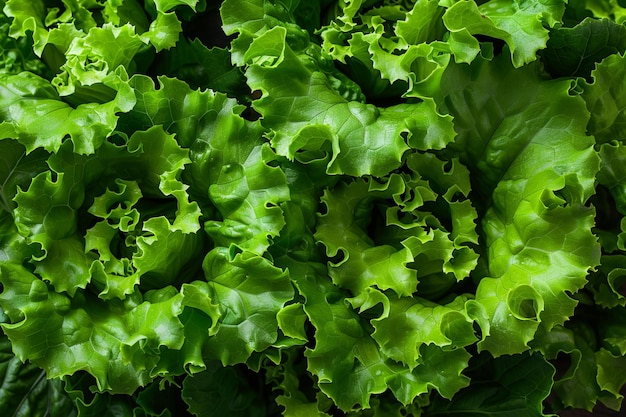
(536, 169)
(312, 208)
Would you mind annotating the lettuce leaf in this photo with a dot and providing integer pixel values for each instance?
(522, 25)
(317, 119)
(34, 115)
(230, 173)
(80, 338)
(575, 51)
(535, 167)
(26, 391)
(604, 100)
(385, 235)
(503, 389)
(345, 355)
(248, 311)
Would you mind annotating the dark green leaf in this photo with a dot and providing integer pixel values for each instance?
(26, 392)
(574, 52)
(503, 387)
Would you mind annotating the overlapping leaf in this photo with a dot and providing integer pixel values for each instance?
(33, 114)
(151, 157)
(575, 51)
(505, 386)
(385, 234)
(605, 100)
(521, 24)
(230, 171)
(250, 292)
(25, 390)
(377, 60)
(349, 365)
(536, 168)
(309, 114)
(46, 22)
(115, 342)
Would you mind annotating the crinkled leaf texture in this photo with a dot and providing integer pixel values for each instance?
(577, 387)
(521, 24)
(605, 99)
(47, 23)
(309, 118)
(112, 241)
(230, 171)
(395, 48)
(101, 338)
(349, 365)
(33, 114)
(74, 190)
(535, 165)
(250, 292)
(386, 233)
(365, 207)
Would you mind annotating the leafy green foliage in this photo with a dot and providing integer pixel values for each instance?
(575, 51)
(505, 386)
(26, 391)
(312, 208)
